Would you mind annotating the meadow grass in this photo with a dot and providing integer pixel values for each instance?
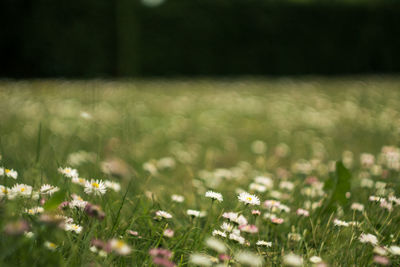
(302, 172)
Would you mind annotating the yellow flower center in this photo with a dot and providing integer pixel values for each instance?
(22, 189)
(5, 191)
(81, 180)
(119, 244)
(95, 185)
(52, 245)
(7, 170)
(67, 170)
(249, 198)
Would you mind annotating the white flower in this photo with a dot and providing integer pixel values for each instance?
(395, 250)
(169, 233)
(113, 185)
(264, 243)
(302, 212)
(368, 238)
(95, 187)
(163, 214)
(10, 173)
(237, 238)
(50, 245)
(214, 195)
(68, 172)
(286, 185)
(216, 245)
(357, 206)
(194, 213)
(337, 222)
(264, 180)
(47, 189)
(249, 198)
(257, 187)
(166, 163)
(249, 258)
(315, 259)
(177, 198)
(120, 247)
(73, 228)
(20, 190)
(380, 250)
(218, 232)
(292, 260)
(77, 203)
(79, 181)
(34, 210)
(4, 191)
(227, 227)
(200, 259)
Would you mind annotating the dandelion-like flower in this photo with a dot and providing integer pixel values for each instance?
(95, 187)
(214, 195)
(249, 199)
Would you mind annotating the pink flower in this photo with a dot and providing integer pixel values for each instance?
(250, 228)
(277, 220)
(256, 212)
(381, 260)
(302, 212)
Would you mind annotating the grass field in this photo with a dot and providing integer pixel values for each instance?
(297, 172)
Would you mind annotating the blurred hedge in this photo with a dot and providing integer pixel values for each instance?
(197, 37)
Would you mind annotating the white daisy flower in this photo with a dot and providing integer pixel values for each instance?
(368, 238)
(4, 191)
(315, 259)
(337, 222)
(214, 195)
(47, 189)
(21, 190)
(249, 199)
(76, 203)
(10, 173)
(50, 245)
(177, 198)
(357, 206)
(394, 250)
(68, 172)
(237, 238)
(34, 210)
(163, 214)
(95, 187)
(200, 259)
(73, 228)
(194, 213)
(113, 185)
(120, 247)
(264, 180)
(218, 232)
(227, 227)
(264, 243)
(79, 181)
(257, 187)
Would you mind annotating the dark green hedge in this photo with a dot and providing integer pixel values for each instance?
(197, 37)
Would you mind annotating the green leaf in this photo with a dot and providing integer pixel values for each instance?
(55, 200)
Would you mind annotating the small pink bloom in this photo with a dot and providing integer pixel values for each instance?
(256, 212)
(381, 260)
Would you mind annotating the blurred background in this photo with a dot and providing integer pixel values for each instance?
(173, 38)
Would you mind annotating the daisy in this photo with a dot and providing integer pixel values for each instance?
(337, 222)
(177, 198)
(73, 228)
(200, 259)
(214, 195)
(292, 260)
(368, 238)
(257, 187)
(76, 203)
(264, 243)
(237, 238)
(315, 259)
(3, 191)
(216, 245)
(248, 258)
(394, 250)
(227, 227)
(163, 214)
(265, 181)
(34, 211)
(21, 190)
(95, 187)
(302, 212)
(50, 245)
(113, 185)
(169, 233)
(194, 213)
(68, 172)
(79, 181)
(357, 206)
(249, 199)
(11, 173)
(120, 247)
(249, 228)
(218, 232)
(47, 189)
